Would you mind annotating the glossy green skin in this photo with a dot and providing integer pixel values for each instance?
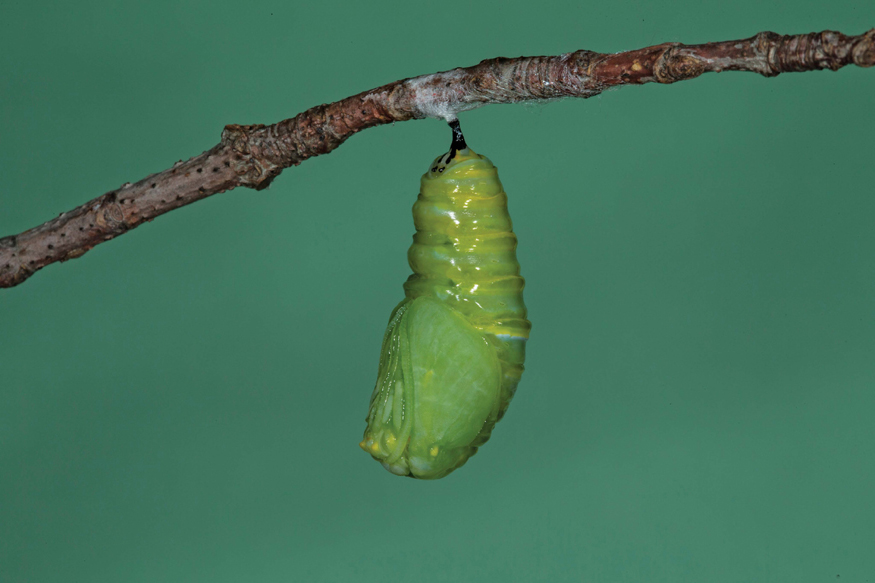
(454, 349)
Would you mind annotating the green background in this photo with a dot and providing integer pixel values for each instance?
(185, 403)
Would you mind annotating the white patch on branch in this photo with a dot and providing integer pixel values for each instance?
(438, 95)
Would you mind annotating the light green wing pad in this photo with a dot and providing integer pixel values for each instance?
(438, 389)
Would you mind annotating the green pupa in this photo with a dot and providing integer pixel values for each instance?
(453, 351)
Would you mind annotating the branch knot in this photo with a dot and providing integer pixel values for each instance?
(675, 65)
(253, 169)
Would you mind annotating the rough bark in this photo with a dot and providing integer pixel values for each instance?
(253, 155)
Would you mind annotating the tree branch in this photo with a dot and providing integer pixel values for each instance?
(254, 155)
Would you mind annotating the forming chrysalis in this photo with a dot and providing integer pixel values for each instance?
(453, 352)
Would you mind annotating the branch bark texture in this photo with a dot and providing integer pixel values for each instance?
(253, 155)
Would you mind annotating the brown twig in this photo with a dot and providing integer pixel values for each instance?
(254, 155)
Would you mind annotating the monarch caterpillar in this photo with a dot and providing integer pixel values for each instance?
(453, 351)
